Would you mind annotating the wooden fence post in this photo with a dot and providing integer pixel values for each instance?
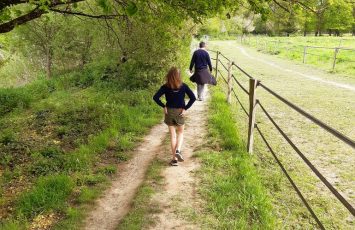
(304, 54)
(217, 64)
(229, 93)
(252, 105)
(335, 57)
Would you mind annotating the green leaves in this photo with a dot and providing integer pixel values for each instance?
(131, 8)
(105, 5)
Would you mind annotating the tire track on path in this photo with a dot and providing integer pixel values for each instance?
(115, 203)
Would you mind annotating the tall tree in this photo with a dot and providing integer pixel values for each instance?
(17, 12)
(338, 22)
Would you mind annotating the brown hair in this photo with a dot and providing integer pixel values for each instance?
(173, 78)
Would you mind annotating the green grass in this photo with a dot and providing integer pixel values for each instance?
(232, 191)
(142, 206)
(47, 194)
(293, 47)
(76, 127)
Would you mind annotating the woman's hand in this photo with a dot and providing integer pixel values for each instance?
(165, 110)
(183, 112)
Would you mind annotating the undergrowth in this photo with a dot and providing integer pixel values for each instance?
(60, 142)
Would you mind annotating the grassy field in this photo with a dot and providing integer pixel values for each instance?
(333, 158)
(293, 48)
(60, 142)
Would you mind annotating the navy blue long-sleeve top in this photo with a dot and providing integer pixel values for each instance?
(175, 98)
(201, 59)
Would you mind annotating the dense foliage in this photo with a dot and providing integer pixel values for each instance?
(333, 17)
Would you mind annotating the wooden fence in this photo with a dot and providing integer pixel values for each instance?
(255, 102)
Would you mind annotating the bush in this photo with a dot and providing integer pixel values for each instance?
(21, 98)
(7, 137)
(47, 194)
(11, 99)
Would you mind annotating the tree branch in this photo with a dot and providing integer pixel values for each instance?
(102, 16)
(306, 7)
(8, 26)
(35, 13)
(281, 6)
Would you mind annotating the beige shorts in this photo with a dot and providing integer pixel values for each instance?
(173, 118)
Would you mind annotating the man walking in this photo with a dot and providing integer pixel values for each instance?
(201, 60)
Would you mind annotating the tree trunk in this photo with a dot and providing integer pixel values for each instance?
(319, 25)
(49, 63)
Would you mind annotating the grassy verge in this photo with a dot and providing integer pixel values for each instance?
(230, 186)
(60, 142)
(142, 205)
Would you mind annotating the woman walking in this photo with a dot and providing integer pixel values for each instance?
(174, 109)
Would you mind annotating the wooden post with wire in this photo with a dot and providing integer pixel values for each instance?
(217, 64)
(229, 93)
(335, 57)
(253, 83)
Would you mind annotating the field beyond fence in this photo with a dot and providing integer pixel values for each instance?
(333, 54)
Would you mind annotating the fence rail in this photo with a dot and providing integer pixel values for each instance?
(254, 102)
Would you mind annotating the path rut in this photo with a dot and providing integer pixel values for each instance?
(179, 195)
(115, 202)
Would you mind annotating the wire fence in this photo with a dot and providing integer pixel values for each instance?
(253, 125)
(275, 45)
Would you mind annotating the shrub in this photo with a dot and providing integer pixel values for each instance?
(11, 99)
(7, 137)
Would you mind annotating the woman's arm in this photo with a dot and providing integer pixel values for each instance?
(191, 96)
(157, 96)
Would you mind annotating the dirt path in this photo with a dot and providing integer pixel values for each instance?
(115, 202)
(179, 194)
(179, 190)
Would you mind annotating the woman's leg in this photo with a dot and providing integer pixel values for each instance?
(180, 136)
(172, 140)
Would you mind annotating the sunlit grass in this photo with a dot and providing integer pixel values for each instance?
(234, 197)
(294, 47)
